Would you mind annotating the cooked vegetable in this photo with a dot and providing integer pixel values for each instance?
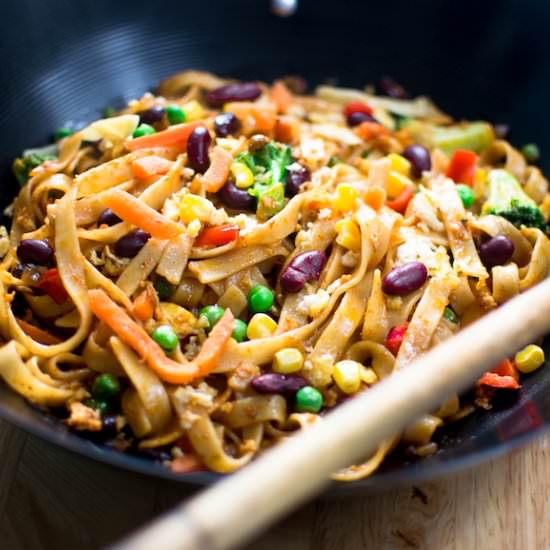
(175, 136)
(309, 399)
(165, 336)
(508, 199)
(135, 337)
(175, 114)
(136, 212)
(212, 314)
(473, 136)
(218, 236)
(462, 167)
(143, 130)
(531, 152)
(529, 359)
(23, 166)
(466, 194)
(152, 165)
(106, 386)
(269, 165)
(260, 299)
(239, 332)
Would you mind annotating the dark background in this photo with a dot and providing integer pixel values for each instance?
(63, 60)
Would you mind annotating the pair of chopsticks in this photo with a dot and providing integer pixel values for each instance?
(240, 505)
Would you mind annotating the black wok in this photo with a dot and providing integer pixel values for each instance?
(63, 61)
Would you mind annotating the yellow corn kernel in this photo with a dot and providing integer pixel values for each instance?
(399, 164)
(346, 197)
(288, 360)
(347, 375)
(193, 207)
(349, 235)
(260, 326)
(396, 183)
(242, 174)
(193, 111)
(530, 358)
(368, 376)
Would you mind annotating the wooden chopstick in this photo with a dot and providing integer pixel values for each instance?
(240, 505)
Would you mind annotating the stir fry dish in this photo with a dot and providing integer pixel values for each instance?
(215, 267)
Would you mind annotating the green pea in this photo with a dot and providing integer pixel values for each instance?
(309, 399)
(260, 299)
(164, 288)
(61, 133)
(531, 152)
(98, 405)
(212, 314)
(106, 386)
(333, 161)
(239, 332)
(165, 336)
(450, 315)
(143, 130)
(108, 112)
(466, 194)
(175, 114)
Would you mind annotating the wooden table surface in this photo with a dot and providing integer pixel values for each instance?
(51, 499)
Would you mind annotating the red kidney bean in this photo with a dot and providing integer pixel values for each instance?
(108, 217)
(305, 267)
(357, 117)
(197, 149)
(392, 88)
(278, 383)
(419, 157)
(405, 278)
(226, 124)
(496, 251)
(34, 251)
(233, 197)
(152, 115)
(296, 176)
(238, 91)
(129, 245)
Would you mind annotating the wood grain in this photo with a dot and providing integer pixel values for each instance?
(52, 499)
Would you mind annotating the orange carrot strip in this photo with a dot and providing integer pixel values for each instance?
(375, 197)
(167, 369)
(41, 336)
(218, 171)
(286, 131)
(281, 96)
(371, 130)
(175, 136)
(187, 463)
(136, 212)
(264, 115)
(144, 305)
(147, 167)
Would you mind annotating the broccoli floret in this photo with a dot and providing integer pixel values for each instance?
(31, 158)
(509, 200)
(269, 167)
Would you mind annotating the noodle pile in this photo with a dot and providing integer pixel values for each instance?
(221, 264)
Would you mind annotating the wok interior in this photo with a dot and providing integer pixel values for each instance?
(64, 61)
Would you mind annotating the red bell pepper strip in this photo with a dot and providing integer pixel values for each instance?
(462, 168)
(395, 336)
(217, 236)
(506, 368)
(357, 107)
(400, 203)
(51, 284)
(494, 380)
